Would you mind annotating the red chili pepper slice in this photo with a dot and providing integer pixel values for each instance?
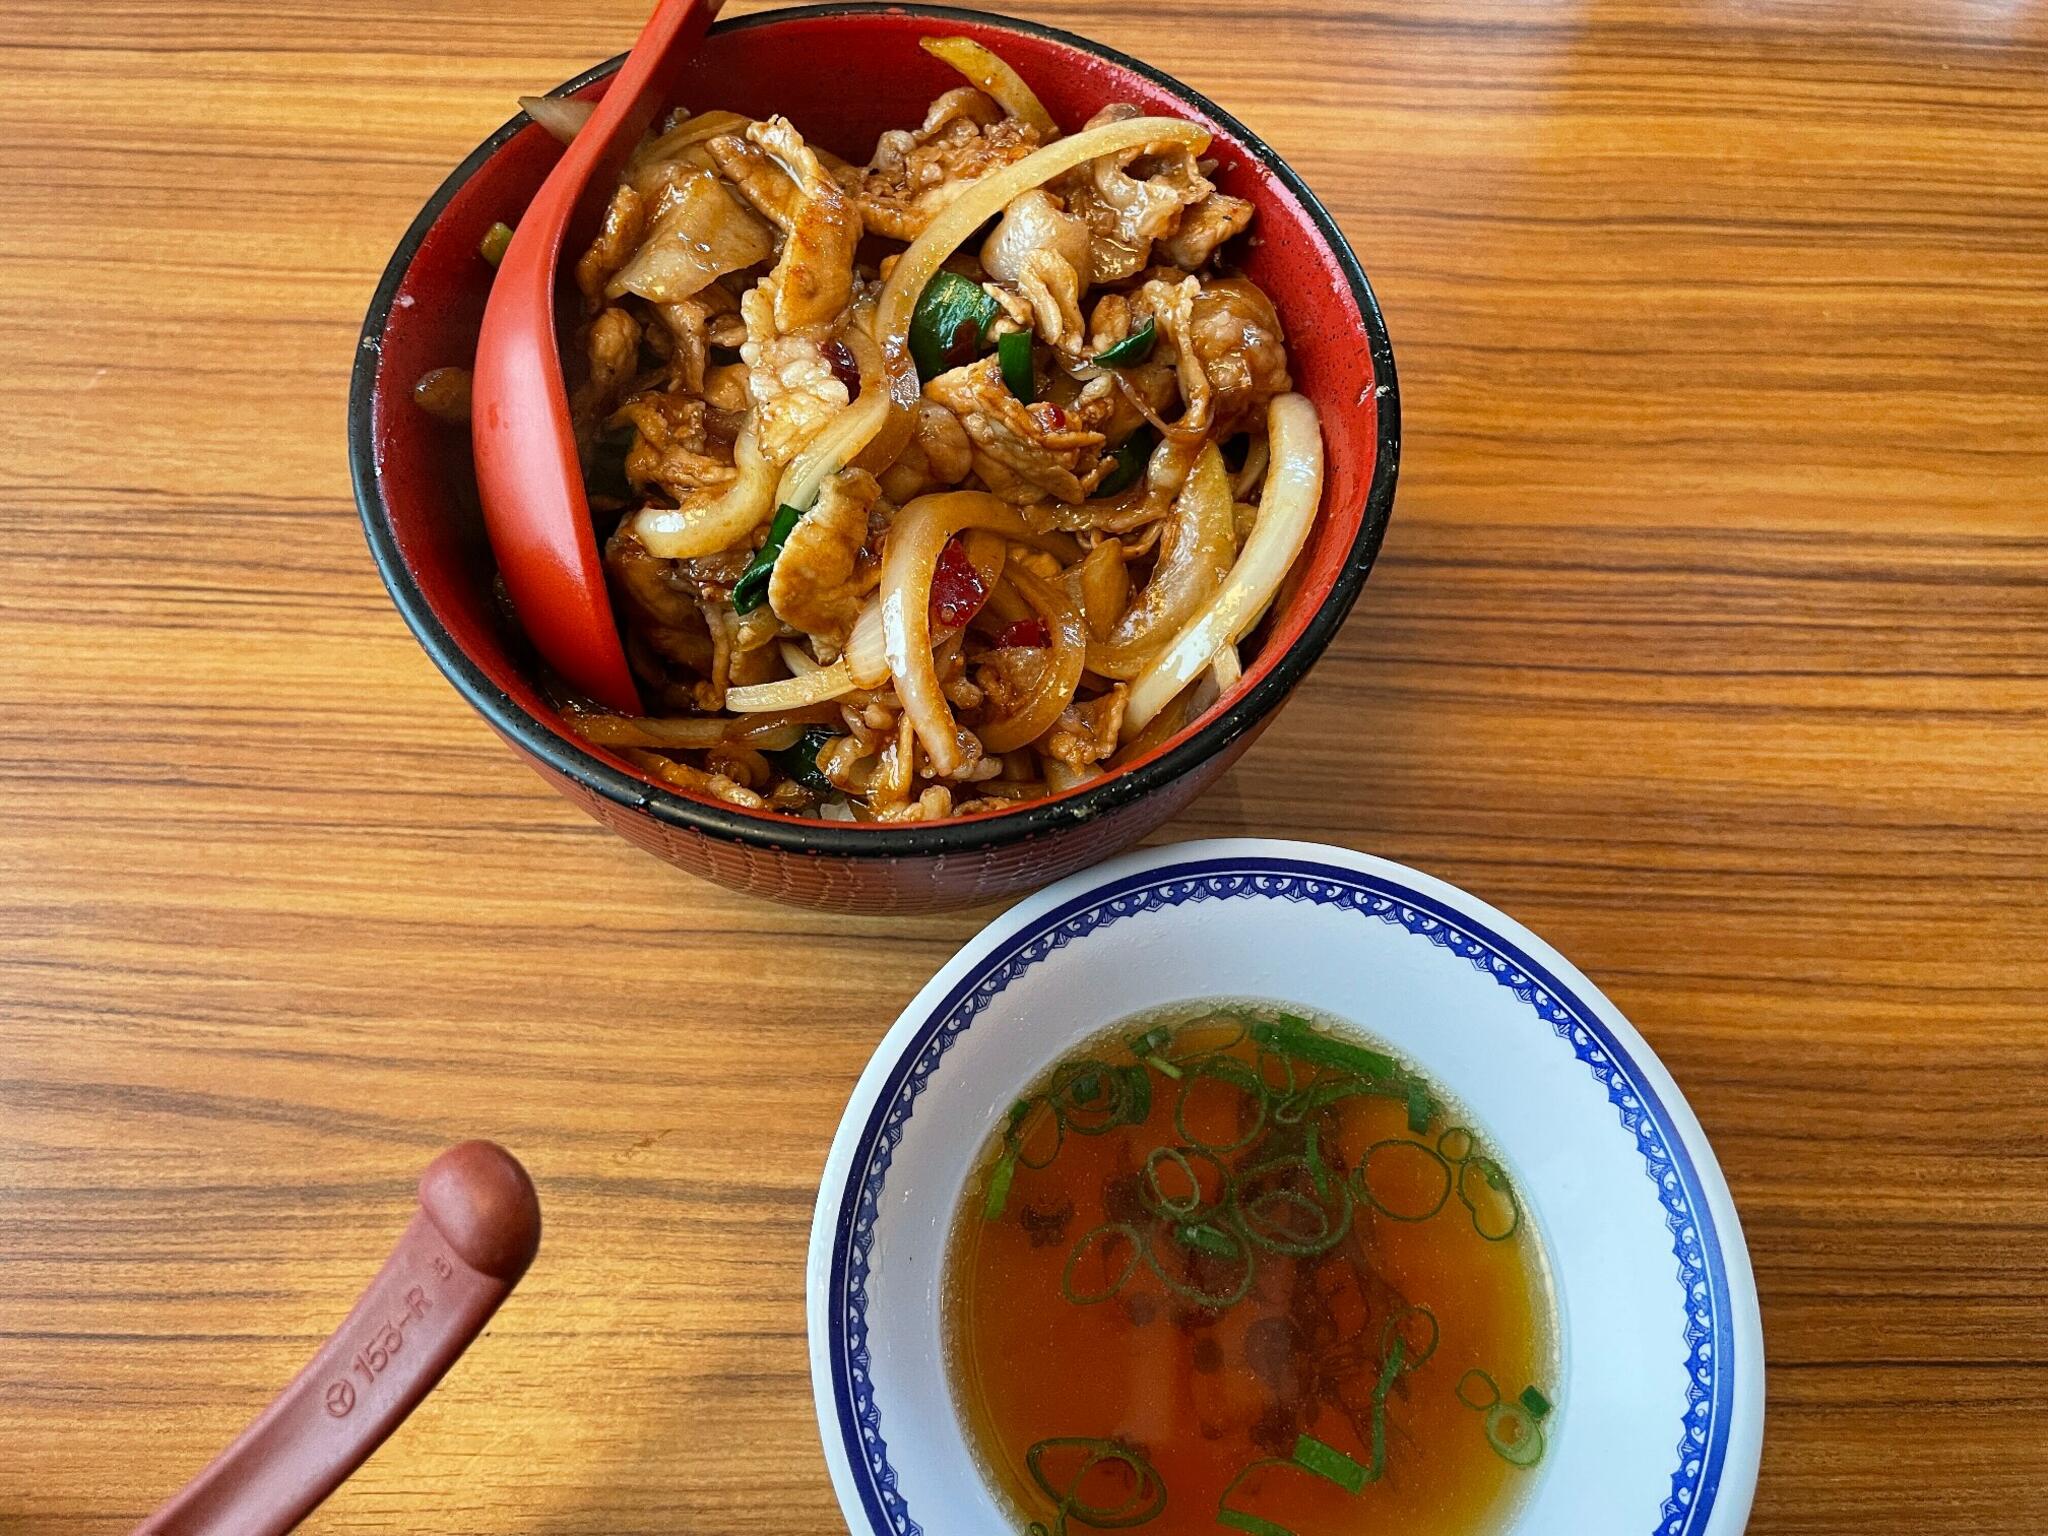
(844, 365)
(957, 588)
(1031, 632)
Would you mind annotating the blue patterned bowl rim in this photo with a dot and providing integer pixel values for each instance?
(1719, 1441)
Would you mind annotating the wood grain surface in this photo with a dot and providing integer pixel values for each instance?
(1710, 639)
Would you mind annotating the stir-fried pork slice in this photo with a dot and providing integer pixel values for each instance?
(789, 378)
(1203, 230)
(935, 804)
(1034, 221)
(617, 239)
(671, 447)
(820, 577)
(1235, 333)
(788, 315)
(1131, 198)
(780, 175)
(1042, 251)
(939, 453)
(916, 172)
(1022, 453)
(1086, 731)
(1053, 290)
(612, 348)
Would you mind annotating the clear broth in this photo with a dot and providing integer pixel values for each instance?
(1148, 1387)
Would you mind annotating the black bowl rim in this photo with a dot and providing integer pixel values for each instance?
(914, 839)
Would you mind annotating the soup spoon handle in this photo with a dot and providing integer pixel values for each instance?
(529, 478)
(476, 1230)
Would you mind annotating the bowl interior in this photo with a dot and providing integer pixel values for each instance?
(1660, 1403)
(807, 65)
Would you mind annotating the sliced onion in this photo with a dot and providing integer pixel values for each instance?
(1057, 678)
(1247, 479)
(1287, 510)
(1226, 669)
(1160, 729)
(683, 533)
(656, 153)
(686, 731)
(867, 652)
(1196, 557)
(702, 233)
(863, 664)
(845, 435)
(792, 692)
(1061, 777)
(562, 116)
(900, 425)
(993, 76)
(1006, 606)
(916, 538)
(981, 202)
(1102, 583)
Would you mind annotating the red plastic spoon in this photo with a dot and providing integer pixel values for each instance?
(526, 465)
(477, 1229)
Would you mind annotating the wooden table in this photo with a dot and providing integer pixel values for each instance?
(1710, 639)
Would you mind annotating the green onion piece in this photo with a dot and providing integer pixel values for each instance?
(999, 1186)
(1296, 1038)
(1226, 1069)
(1138, 1098)
(1329, 1463)
(1165, 1068)
(1151, 1041)
(1213, 1301)
(800, 761)
(1110, 1229)
(496, 241)
(1395, 1341)
(1277, 1090)
(1013, 1132)
(1420, 1210)
(1488, 1219)
(1316, 1173)
(1472, 1385)
(1206, 1239)
(1388, 1372)
(1145, 1502)
(1241, 1520)
(1421, 1110)
(1128, 460)
(1254, 1525)
(1203, 1028)
(1455, 1144)
(1256, 1218)
(1537, 1404)
(751, 590)
(1134, 348)
(1191, 1208)
(1013, 352)
(948, 325)
(1515, 1436)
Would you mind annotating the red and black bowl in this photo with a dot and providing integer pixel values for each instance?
(843, 73)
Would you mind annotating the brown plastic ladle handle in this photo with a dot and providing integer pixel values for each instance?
(477, 1229)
